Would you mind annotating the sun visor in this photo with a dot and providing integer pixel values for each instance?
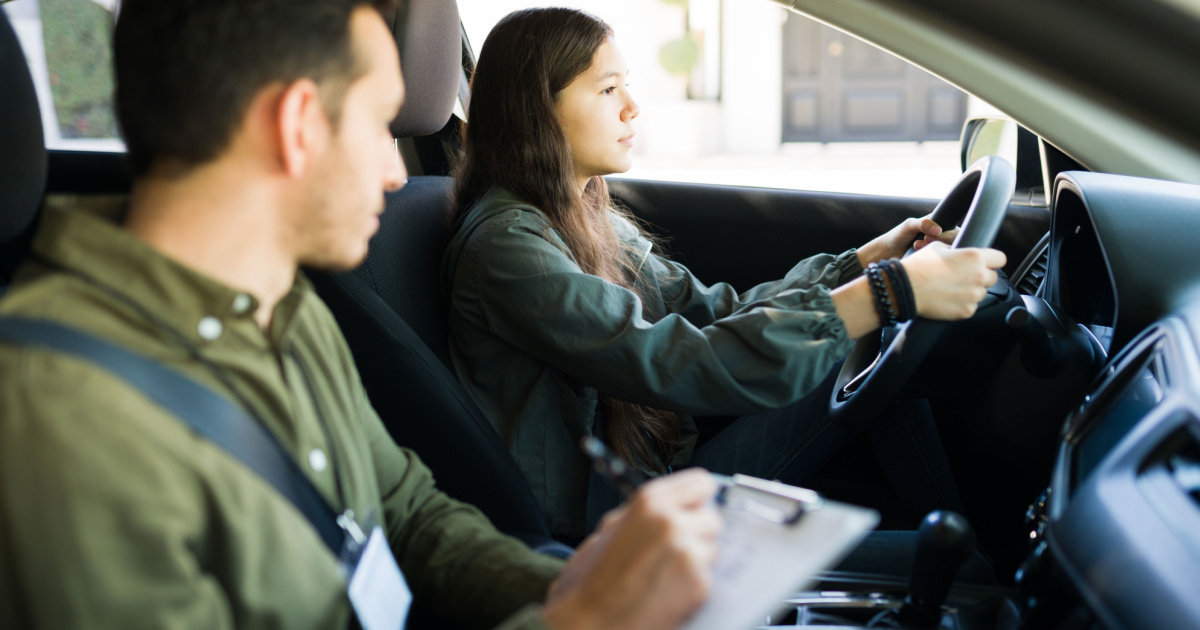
(429, 36)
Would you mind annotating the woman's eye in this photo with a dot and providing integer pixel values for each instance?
(610, 90)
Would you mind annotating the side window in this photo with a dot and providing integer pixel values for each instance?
(749, 94)
(68, 45)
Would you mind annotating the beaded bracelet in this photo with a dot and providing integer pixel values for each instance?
(883, 303)
(906, 303)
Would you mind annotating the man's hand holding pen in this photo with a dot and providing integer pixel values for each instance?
(648, 565)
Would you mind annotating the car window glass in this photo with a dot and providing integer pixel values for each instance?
(747, 93)
(68, 45)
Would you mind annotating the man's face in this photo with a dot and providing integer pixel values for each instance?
(345, 193)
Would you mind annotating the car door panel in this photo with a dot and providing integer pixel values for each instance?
(744, 236)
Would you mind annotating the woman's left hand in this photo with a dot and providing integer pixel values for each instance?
(896, 241)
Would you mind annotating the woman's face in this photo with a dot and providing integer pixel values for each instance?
(596, 113)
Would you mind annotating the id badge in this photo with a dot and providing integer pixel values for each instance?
(377, 589)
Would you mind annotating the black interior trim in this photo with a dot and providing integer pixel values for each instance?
(88, 172)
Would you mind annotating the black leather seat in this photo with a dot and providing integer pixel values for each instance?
(392, 313)
(23, 160)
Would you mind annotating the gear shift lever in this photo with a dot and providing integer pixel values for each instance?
(944, 540)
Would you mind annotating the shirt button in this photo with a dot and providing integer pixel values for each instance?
(241, 304)
(210, 328)
(317, 460)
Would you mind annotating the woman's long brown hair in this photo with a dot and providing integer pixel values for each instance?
(514, 140)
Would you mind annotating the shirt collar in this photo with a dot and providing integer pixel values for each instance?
(199, 308)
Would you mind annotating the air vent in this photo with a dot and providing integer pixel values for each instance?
(1184, 467)
(1029, 276)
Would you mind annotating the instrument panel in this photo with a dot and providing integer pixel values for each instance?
(1124, 515)
(1120, 521)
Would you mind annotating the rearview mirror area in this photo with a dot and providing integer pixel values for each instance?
(1002, 137)
(988, 135)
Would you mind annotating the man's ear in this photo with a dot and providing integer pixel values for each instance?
(303, 126)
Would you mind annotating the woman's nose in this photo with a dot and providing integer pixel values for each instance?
(631, 109)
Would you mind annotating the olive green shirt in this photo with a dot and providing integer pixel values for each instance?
(113, 514)
(534, 339)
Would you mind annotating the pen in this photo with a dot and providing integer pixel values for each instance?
(616, 471)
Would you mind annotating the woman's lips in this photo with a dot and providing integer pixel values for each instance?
(627, 140)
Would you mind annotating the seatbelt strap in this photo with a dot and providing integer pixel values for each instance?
(206, 412)
(601, 496)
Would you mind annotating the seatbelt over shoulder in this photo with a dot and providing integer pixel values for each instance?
(206, 412)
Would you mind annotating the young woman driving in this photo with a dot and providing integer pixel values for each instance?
(565, 321)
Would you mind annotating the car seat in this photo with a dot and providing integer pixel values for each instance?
(391, 310)
(393, 314)
(23, 160)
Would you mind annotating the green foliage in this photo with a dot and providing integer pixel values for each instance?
(681, 55)
(78, 40)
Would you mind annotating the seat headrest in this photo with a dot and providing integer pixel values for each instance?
(429, 36)
(23, 156)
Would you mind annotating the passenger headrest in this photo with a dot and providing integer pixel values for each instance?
(22, 148)
(429, 37)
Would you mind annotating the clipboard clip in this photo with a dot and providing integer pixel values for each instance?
(770, 500)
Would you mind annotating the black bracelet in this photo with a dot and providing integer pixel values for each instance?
(906, 302)
(883, 303)
(902, 312)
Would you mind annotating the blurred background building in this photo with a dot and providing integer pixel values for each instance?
(736, 92)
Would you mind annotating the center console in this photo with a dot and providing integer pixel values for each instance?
(1114, 538)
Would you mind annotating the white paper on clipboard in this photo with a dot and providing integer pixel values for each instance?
(764, 559)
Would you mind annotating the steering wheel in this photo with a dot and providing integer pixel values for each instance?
(880, 365)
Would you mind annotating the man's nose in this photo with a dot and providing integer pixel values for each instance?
(395, 175)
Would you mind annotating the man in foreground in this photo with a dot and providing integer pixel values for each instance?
(258, 134)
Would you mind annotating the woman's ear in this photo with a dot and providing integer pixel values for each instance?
(303, 127)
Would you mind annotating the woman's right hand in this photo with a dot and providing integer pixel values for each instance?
(948, 283)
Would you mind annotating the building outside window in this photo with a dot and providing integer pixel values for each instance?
(68, 45)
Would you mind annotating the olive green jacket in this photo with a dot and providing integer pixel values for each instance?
(534, 339)
(113, 514)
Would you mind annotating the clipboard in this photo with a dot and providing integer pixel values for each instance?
(776, 539)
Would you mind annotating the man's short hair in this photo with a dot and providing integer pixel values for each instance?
(187, 70)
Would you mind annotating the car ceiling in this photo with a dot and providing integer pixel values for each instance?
(1113, 83)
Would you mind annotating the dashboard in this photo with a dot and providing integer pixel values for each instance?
(1118, 527)
(1081, 283)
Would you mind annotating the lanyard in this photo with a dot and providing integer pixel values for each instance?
(332, 447)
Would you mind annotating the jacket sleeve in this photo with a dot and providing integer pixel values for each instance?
(768, 349)
(451, 555)
(684, 294)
